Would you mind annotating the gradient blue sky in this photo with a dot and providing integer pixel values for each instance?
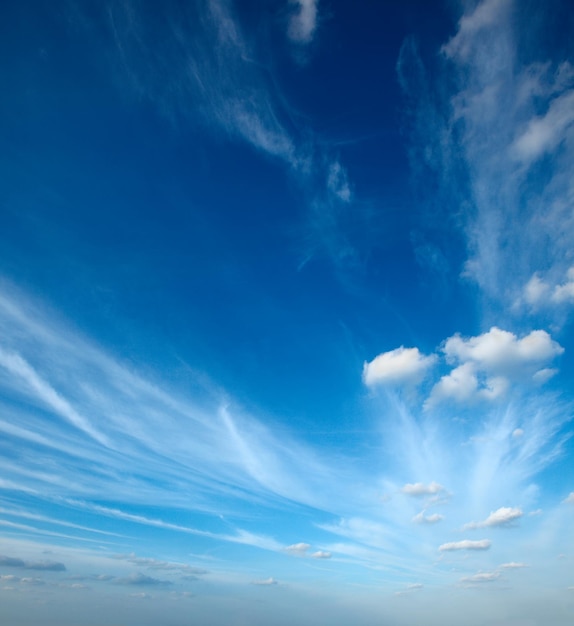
(286, 299)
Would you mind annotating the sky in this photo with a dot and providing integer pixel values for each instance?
(286, 312)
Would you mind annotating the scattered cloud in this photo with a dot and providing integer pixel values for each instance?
(399, 366)
(141, 580)
(488, 363)
(569, 499)
(303, 21)
(321, 554)
(298, 549)
(513, 565)
(46, 566)
(501, 517)
(421, 518)
(481, 577)
(410, 588)
(466, 544)
(420, 489)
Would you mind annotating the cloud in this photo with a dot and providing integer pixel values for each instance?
(303, 21)
(321, 554)
(402, 365)
(46, 566)
(420, 489)
(489, 362)
(267, 582)
(501, 517)
(299, 549)
(513, 565)
(481, 577)
(499, 351)
(569, 499)
(141, 580)
(156, 564)
(466, 544)
(493, 124)
(421, 518)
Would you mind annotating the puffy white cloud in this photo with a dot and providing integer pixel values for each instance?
(420, 489)
(321, 554)
(299, 549)
(481, 577)
(402, 365)
(569, 499)
(565, 291)
(538, 292)
(421, 518)
(501, 517)
(535, 290)
(303, 21)
(489, 362)
(501, 352)
(466, 544)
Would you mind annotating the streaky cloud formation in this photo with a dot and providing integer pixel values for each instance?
(285, 312)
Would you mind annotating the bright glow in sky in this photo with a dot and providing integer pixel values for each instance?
(286, 303)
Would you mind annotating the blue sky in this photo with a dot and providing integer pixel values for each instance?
(286, 299)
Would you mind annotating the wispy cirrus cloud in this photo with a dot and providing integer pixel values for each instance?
(199, 65)
(497, 123)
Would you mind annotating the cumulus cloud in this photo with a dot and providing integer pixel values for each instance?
(489, 362)
(421, 518)
(481, 577)
(501, 517)
(298, 549)
(466, 544)
(303, 21)
(46, 566)
(569, 499)
(402, 365)
(321, 554)
(513, 565)
(420, 489)
(500, 351)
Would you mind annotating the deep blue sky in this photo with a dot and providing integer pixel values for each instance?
(286, 294)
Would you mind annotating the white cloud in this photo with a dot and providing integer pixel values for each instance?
(535, 290)
(543, 134)
(420, 489)
(466, 544)
(513, 565)
(569, 499)
(299, 549)
(517, 433)
(481, 577)
(402, 365)
(321, 554)
(501, 517)
(303, 21)
(565, 291)
(500, 351)
(421, 518)
(490, 361)
(484, 15)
